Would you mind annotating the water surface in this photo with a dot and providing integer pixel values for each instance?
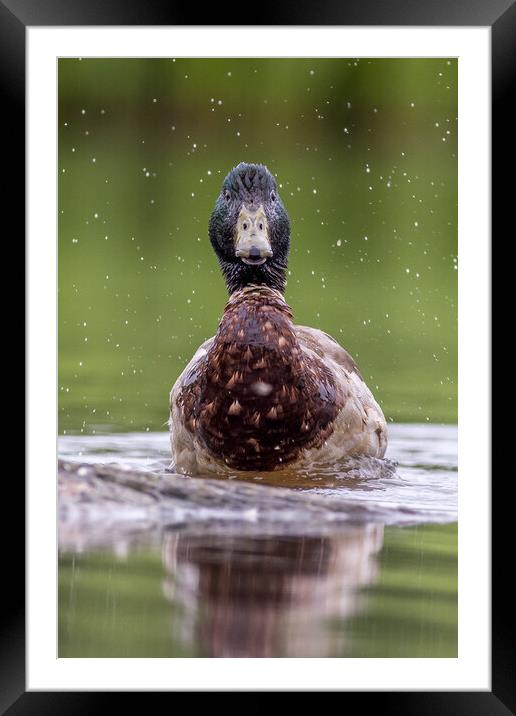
(385, 586)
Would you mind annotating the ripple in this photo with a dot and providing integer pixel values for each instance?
(418, 478)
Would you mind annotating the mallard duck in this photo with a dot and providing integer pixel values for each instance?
(263, 393)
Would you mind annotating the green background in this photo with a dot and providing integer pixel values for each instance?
(365, 153)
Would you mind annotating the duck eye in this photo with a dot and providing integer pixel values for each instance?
(245, 226)
(227, 195)
(273, 196)
(260, 225)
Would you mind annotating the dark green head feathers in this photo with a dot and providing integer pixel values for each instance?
(250, 230)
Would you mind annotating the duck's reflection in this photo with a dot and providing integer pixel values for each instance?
(248, 596)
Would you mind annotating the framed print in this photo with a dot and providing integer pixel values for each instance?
(258, 291)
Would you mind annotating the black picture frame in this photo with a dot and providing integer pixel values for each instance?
(15, 17)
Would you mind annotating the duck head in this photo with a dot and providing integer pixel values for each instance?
(250, 230)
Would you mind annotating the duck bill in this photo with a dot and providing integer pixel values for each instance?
(252, 243)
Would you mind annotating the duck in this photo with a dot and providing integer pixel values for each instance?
(263, 393)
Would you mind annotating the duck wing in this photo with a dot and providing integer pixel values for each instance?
(182, 442)
(360, 426)
(325, 346)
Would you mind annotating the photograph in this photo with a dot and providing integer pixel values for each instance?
(257, 350)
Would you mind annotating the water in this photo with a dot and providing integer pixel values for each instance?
(365, 152)
(383, 585)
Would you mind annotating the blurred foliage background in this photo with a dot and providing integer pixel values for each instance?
(365, 153)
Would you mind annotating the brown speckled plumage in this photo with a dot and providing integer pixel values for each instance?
(264, 393)
(256, 399)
